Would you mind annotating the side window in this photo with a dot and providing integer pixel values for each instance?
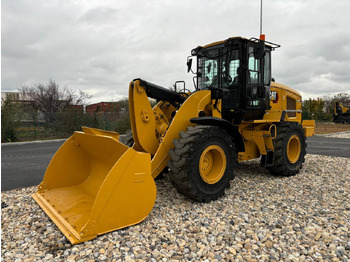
(254, 68)
(267, 69)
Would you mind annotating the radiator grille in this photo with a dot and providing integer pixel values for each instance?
(291, 105)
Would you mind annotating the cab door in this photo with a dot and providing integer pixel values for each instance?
(257, 82)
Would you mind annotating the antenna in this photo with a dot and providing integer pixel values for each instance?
(260, 17)
(262, 37)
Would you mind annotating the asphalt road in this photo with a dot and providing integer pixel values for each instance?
(328, 146)
(24, 164)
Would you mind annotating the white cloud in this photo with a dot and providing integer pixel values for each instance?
(100, 46)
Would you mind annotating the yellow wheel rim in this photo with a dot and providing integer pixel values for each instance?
(212, 164)
(293, 149)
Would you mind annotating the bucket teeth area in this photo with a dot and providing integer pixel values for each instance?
(71, 203)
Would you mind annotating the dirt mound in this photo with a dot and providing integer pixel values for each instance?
(327, 128)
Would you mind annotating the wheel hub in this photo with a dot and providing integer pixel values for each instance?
(212, 164)
(293, 149)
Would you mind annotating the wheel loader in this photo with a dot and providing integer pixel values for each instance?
(341, 113)
(95, 184)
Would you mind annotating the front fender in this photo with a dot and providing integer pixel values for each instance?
(215, 121)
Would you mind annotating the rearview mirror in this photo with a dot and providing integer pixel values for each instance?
(189, 65)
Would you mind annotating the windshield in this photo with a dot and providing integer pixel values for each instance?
(218, 68)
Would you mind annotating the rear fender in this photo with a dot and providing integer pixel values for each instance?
(309, 127)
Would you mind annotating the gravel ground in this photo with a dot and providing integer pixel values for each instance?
(340, 135)
(261, 218)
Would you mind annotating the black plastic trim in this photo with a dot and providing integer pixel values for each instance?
(283, 116)
(161, 93)
(215, 121)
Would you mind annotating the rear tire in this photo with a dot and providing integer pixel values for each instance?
(202, 163)
(290, 150)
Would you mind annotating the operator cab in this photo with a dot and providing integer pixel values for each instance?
(238, 71)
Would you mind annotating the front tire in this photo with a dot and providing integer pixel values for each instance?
(290, 149)
(203, 162)
(129, 139)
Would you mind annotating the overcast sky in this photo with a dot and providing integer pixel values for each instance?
(100, 46)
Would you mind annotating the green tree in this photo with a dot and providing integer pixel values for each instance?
(9, 120)
(314, 109)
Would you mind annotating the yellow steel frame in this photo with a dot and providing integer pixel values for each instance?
(151, 130)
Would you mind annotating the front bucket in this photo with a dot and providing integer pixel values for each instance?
(95, 184)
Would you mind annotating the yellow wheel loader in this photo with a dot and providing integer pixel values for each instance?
(95, 184)
(341, 113)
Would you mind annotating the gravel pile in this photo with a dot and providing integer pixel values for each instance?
(345, 134)
(261, 218)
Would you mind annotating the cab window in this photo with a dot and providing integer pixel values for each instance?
(267, 69)
(254, 68)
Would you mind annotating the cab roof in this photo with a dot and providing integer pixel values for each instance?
(223, 41)
(253, 39)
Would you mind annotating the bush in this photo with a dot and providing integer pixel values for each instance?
(9, 112)
(314, 109)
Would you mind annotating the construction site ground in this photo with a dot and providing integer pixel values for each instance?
(330, 127)
(260, 218)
